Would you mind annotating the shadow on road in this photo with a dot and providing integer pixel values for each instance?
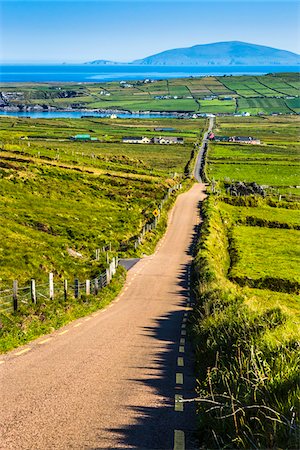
(154, 428)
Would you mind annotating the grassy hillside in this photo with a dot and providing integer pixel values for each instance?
(58, 194)
(247, 295)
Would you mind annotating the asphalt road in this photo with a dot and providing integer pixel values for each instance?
(198, 164)
(112, 379)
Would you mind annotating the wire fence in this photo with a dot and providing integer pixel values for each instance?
(153, 225)
(12, 299)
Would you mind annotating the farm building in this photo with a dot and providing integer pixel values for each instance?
(168, 140)
(156, 140)
(245, 140)
(136, 140)
(220, 138)
(236, 139)
(83, 137)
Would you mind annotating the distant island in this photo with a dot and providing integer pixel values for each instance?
(232, 53)
(105, 62)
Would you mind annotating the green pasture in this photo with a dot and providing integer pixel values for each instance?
(275, 174)
(263, 105)
(238, 152)
(281, 216)
(217, 106)
(266, 252)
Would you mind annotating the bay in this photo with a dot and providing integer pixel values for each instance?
(95, 73)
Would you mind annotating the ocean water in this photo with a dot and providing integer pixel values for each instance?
(94, 73)
(79, 114)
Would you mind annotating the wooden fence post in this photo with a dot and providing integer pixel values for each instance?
(32, 290)
(76, 288)
(51, 286)
(96, 286)
(107, 276)
(65, 289)
(15, 295)
(87, 287)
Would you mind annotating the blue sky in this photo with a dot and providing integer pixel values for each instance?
(76, 31)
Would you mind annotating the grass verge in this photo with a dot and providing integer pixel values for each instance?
(247, 352)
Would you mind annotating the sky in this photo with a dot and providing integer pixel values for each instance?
(41, 31)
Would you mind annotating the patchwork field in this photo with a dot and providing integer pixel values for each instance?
(267, 94)
(275, 163)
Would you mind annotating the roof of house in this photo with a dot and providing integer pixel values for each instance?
(243, 138)
(82, 136)
(222, 137)
(171, 138)
(133, 138)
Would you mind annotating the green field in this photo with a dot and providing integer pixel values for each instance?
(267, 94)
(58, 194)
(263, 106)
(265, 213)
(267, 252)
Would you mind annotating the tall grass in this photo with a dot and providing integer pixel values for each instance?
(248, 386)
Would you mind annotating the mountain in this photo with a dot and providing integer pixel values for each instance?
(233, 53)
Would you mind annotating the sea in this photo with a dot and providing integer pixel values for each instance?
(89, 73)
(96, 73)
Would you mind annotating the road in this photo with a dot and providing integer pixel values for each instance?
(113, 379)
(201, 150)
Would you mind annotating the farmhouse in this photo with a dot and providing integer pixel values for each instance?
(245, 140)
(168, 140)
(136, 140)
(155, 140)
(220, 138)
(236, 139)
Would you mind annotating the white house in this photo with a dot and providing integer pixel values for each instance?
(136, 140)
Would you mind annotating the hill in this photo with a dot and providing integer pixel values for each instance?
(233, 53)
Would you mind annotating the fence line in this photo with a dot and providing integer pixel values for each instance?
(10, 299)
(48, 291)
(152, 225)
